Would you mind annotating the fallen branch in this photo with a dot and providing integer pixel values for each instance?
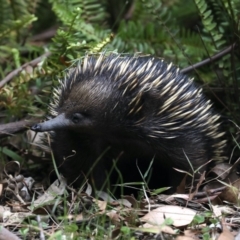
(7, 235)
(209, 60)
(32, 63)
(15, 127)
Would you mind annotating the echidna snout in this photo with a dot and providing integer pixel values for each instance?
(132, 110)
(58, 122)
(36, 128)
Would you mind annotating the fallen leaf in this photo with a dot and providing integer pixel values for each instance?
(222, 170)
(189, 235)
(181, 216)
(101, 204)
(226, 234)
(56, 189)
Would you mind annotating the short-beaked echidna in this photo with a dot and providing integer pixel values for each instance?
(132, 109)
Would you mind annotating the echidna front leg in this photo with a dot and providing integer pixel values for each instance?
(76, 158)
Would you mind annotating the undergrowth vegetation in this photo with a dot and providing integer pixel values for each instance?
(40, 39)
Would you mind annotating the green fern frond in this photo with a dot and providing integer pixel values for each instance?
(18, 8)
(211, 14)
(5, 12)
(232, 7)
(11, 26)
(89, 11)
(94, 11)
(98, 47)
(15, 16)
(79, 32)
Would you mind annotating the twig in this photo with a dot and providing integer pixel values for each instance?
(210, 59)
(15, 127)
(47, 34)
(32, 63)
(7, 235)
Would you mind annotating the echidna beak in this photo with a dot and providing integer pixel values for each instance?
(36, 128)
(58, 122)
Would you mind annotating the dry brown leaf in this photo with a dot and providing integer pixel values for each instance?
(16, 218)
(88, 190)
(189, 235)
(115, 232)
(4, 213)
(101, 204)
(186, 238)
(171, 198)
(114, 216)
(231, 192)
(124, 202)
(105, 196)
(226, 234)
(130, 200)
(180, 216)
(220, 210)
(222, 170)
(56, 189)
(181, 187)
(78, 217)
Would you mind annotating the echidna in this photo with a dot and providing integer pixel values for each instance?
(134, 110)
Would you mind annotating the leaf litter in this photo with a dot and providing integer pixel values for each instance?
(63, 211)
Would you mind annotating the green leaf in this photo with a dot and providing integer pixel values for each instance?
(13, 155)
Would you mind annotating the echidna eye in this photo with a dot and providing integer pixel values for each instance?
(76, 117)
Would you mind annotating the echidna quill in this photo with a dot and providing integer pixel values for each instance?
(126, 111)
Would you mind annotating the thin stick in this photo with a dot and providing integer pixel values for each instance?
(32, 63)
(209, 60)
